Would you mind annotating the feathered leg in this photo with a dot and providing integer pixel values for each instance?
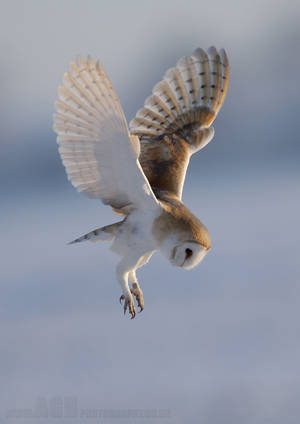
(126, 265)
(126, 272)
(136, 290)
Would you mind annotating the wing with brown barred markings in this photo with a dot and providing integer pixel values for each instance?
(175, 120)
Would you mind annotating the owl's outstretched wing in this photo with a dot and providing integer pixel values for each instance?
(100, 156)
(176, 119)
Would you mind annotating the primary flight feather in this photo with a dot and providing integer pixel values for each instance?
(140, 171)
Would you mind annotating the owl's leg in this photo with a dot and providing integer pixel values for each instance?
(136, 290)
(123, 269)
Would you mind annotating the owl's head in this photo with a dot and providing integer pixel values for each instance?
(182, 238)
(188, 254)
(183, 253)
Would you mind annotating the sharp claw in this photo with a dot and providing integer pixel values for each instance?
(137, 292)
(132, 313)
(128, 304)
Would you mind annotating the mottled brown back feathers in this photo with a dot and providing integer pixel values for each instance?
(164, 162)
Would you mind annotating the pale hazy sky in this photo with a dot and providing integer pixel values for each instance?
(137, 41)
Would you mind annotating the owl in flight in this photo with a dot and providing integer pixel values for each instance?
(139, 171)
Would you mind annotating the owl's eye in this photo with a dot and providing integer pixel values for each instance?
(188, 253)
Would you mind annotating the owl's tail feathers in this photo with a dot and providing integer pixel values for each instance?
(191, 93)
(106, 233)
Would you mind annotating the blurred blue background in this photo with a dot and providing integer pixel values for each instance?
(220, 343)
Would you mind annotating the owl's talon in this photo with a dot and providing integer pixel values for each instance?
(137, 292)
(128, 304)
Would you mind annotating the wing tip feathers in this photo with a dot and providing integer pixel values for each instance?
(194, 83)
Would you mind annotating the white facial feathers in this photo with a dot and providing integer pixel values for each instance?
(188, 254)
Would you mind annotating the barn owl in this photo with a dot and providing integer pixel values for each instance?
(139, 171)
